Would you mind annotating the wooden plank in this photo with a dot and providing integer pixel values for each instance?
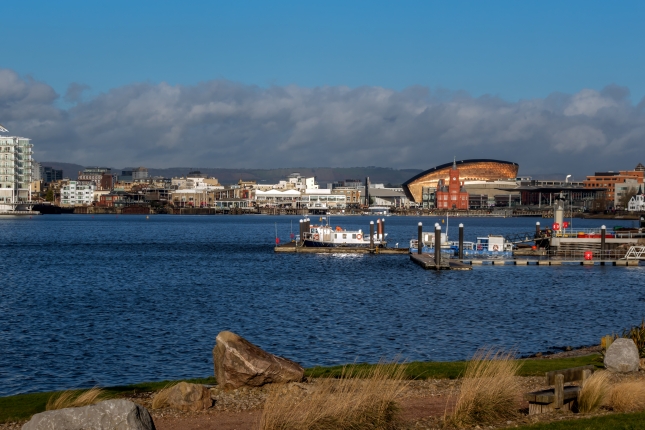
(559, 391)
(570, 375)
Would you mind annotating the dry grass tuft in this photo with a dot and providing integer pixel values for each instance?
(161, 398)
(489, 389)
(364, 400)
(628, 396)
(75, 399)
(593, 392)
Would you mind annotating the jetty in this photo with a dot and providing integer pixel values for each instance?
(292, 247)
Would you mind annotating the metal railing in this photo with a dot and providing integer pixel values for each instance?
(595, 254)
(635, 253)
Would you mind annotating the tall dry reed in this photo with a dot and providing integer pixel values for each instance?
(74, 399)
(161, 398)
(628, 396)
(358, 400)
(593, 392)
(489, 389)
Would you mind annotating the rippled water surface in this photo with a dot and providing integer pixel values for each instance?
(111, 300)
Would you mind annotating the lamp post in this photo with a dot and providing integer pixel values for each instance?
(570, 208)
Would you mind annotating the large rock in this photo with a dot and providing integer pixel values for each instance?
(110, 414)
(238, 362)
(189, 397)
(622, 356)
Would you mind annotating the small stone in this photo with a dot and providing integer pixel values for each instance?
(622, 356)
(189, 397)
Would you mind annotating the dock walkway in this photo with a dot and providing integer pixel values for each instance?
(427, 262)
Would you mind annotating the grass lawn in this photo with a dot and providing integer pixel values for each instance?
(23, 406)
(635, 421)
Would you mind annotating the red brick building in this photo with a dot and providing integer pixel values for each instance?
(452, 196)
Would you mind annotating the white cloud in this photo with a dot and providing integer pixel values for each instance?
(224, 124)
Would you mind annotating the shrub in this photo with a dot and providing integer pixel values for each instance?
(628, 396)
(74, 399)
(489, 389)
(593, 392)
(637, 334)
(358, 399)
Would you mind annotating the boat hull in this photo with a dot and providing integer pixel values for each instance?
(318, 244)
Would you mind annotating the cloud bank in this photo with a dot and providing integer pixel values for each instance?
(221, 123)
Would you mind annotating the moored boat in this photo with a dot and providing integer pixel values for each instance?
(325, 235)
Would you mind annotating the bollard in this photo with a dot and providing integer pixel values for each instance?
(301, 236)
(603, 232)
(371, 234)
(420, 238)
(461, 241)
(383, 229)
(437, 246)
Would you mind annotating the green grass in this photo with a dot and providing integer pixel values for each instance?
(23, 406)
(454, 369)
(635, 421)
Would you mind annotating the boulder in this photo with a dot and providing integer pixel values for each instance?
(189, 397)
(110, 414)
(238, 363)
(622, 356)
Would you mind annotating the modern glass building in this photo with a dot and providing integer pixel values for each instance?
(15, 171)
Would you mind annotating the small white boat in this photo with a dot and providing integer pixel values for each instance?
(325, 235)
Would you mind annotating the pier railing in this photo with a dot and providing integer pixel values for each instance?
(595, 233)
(596, 254)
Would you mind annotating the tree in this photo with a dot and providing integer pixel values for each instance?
(50, 195)
(623, 201)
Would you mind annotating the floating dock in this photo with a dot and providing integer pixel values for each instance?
(517, 262)
(292, 248)
(427, 262)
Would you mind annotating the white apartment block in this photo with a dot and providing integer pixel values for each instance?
(74, 194)
(15, 171)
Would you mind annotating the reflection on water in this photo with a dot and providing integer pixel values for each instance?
(102, 301)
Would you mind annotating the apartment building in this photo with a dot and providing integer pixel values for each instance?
(74, 193)
(15, 169)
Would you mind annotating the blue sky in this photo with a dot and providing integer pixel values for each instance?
(553, 86)
(511, 49)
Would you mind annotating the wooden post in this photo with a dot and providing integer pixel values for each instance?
(559, 391)
(437, 246)
(603, 232)
(585, 375)
(371, 234)
(378, 228)
(420, 239)
(461, 241)
(537, 229)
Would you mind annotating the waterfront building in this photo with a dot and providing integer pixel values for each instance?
(453, 196)
(425, 183)
(609, 180)
(74, 193)
(15, 170)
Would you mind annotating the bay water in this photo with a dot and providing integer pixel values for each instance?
(110, 300)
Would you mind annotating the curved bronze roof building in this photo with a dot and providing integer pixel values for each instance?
(469, 170)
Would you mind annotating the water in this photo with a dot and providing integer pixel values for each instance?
(112, 300)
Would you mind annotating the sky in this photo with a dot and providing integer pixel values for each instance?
(555, 86)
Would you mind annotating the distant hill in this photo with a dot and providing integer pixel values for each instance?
(323, 175)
